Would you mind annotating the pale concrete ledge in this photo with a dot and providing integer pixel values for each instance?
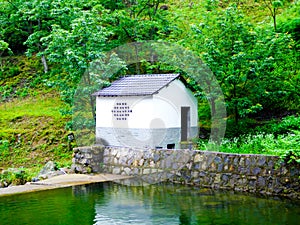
(61, 181)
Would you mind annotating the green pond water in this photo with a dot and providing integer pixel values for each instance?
(112, 203)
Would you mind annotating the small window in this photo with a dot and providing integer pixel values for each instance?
(170, 146)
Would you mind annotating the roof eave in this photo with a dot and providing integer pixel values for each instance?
(124, 95)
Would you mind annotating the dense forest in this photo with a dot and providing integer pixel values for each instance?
(252, 47)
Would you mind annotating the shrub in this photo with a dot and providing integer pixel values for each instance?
(287, 125)
(285, 146)
(291, 157)
(14, 177)
(4, 148)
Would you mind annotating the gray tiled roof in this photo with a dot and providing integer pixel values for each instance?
(137, 85)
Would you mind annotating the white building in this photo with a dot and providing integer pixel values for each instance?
(152, 110)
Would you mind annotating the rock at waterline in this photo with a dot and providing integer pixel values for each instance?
(48, 171)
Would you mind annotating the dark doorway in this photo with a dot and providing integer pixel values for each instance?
(170, 146)
(185, 123)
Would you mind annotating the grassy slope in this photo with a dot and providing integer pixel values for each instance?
(32, 130)
(35, 131)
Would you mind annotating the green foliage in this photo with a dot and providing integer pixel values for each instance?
(289, 22)
(73, 47)
(262, 144)
(4, 149)
(229, 54)
(285, 146)
(13, 29)
(15, 177)
(256, 67)
(287, 125)
(291, 157)
(138, 21)
(211, 5)
(71, 34)
(275, 138)
(3, 47)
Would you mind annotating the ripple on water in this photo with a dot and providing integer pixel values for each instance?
(109, 204)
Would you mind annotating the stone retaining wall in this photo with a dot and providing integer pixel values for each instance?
(239, 172)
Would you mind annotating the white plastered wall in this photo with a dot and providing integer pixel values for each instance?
(179, 96)
(145, 121)
(161, 110)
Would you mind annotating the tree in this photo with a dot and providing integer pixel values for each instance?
(228, 53)
(13, 28)
(38, 14)
(256, 68)
(74, 49)
(278, 67)
(139, 20)
(42, 15)
(273, 7)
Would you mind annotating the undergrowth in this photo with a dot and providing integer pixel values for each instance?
(16, 176)
(32, 132)
(274, 138)
(262, 144)
(32, 128)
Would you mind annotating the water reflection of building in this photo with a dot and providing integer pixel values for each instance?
(182, 205)
(152, 204)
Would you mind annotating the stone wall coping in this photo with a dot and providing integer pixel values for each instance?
(193, 150)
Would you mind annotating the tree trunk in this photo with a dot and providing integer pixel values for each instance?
(236, 110)
(93, 107)
(274, 21)
(214, 130)
(236, 114)
(92, 104)
(44, 61)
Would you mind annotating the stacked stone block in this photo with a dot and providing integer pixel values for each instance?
(88, 159)
(240, 172)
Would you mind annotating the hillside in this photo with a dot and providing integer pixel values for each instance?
(45, 48)
(32, 129)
